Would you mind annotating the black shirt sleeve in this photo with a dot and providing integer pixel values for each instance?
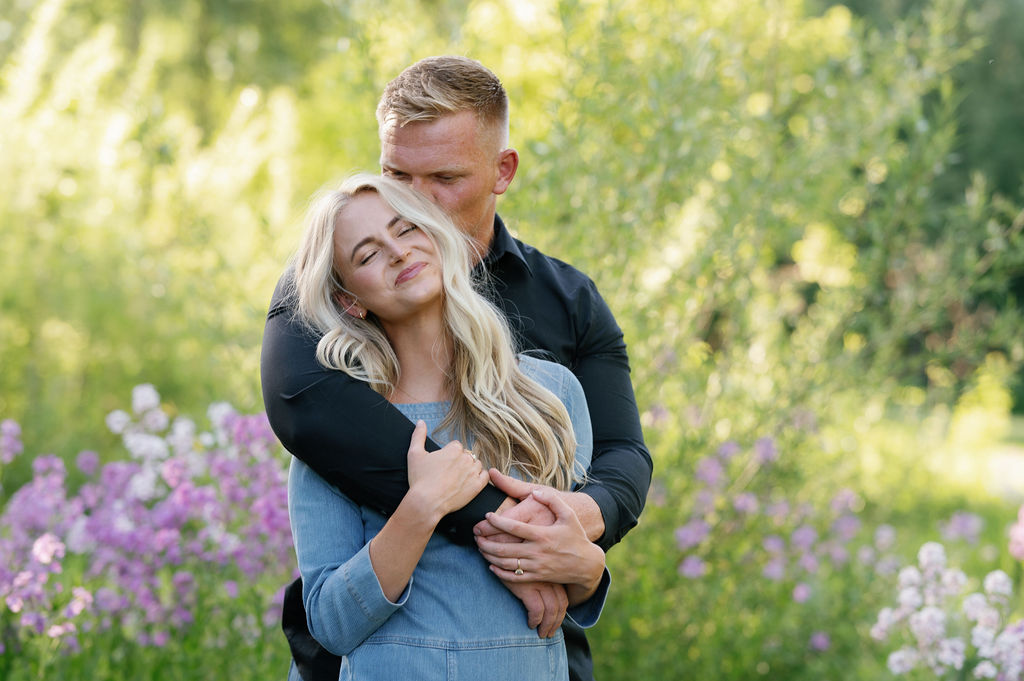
(620, 472)
(350, 435)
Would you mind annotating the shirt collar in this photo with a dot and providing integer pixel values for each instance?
(504, 245)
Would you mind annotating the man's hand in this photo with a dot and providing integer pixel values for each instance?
(532, 512)
(559, 553)
(545, 605)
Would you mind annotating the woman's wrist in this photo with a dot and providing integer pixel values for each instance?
(423, 506)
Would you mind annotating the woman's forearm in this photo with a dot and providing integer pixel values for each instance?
(398, 547)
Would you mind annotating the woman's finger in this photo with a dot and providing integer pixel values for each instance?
(418, 442)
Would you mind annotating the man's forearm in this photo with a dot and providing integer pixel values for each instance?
(588, 513)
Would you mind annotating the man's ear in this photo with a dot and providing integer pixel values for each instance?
(508, 163)
(350, 304)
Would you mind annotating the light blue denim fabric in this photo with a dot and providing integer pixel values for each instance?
(455, 621)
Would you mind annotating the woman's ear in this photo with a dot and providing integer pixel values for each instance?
(350, 305)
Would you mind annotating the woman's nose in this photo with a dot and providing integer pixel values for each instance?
(398, 251)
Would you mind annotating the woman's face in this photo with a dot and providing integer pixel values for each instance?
(389, 264)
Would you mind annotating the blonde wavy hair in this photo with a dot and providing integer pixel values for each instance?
(514, 422)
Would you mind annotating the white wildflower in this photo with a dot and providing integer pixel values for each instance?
(983, 638)
(880, 629)
(985, 670)
(928, 625)
(144, 398)
(953, 582)
(155, 420)
(885, 537)
(1009, 653)
(78, 538)
(974, 605)
(910, 599)
(910, 577)
(146, 447)
(997, 583)
(117, 421)
(932, 557)
(183, 435)
(218, 413)
(143, 484)
(902, 661)
(952, 652)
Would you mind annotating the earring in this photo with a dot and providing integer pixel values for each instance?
(362, 315)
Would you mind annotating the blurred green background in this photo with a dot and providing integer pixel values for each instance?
(806, 217)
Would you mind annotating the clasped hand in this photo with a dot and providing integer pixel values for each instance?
(447, 479)
(542, 537)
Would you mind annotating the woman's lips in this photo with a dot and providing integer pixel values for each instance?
(409, 272)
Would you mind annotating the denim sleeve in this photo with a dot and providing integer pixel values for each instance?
(343, 597)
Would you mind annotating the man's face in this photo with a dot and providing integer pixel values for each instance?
(448, 160)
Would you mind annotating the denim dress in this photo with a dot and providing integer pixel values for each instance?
(455, 621)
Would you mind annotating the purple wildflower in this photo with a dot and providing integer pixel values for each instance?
(963, 526)
(693, 567)
(88, 462)
(692, 533)
(728, 450)
(804, 537)
(10, 440)
(801, 592)
(745, 502)
(846, 527)
(773, 543)
(820, 641)
(765, 450)
(710, 471)
(775, 569)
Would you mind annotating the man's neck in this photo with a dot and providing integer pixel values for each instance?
(483, 241)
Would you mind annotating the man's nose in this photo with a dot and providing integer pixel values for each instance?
(421, 185)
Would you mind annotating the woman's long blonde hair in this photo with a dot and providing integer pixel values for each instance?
(514, 422)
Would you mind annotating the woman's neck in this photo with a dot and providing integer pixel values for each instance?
(424, 356)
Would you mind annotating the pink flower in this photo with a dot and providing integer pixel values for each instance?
(801, 593)
(820, 641)
(46, 548)
(1017, 536)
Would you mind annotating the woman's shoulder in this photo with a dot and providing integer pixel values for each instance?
(552, 375)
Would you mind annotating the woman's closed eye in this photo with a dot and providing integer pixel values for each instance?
(407, 228)
(367, 256)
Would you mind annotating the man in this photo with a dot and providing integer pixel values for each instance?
(443, 126)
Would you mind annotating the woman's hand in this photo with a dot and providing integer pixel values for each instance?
(445, 480)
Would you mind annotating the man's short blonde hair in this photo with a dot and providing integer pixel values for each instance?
(436, 86)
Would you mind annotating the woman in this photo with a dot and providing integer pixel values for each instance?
(383, 276)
